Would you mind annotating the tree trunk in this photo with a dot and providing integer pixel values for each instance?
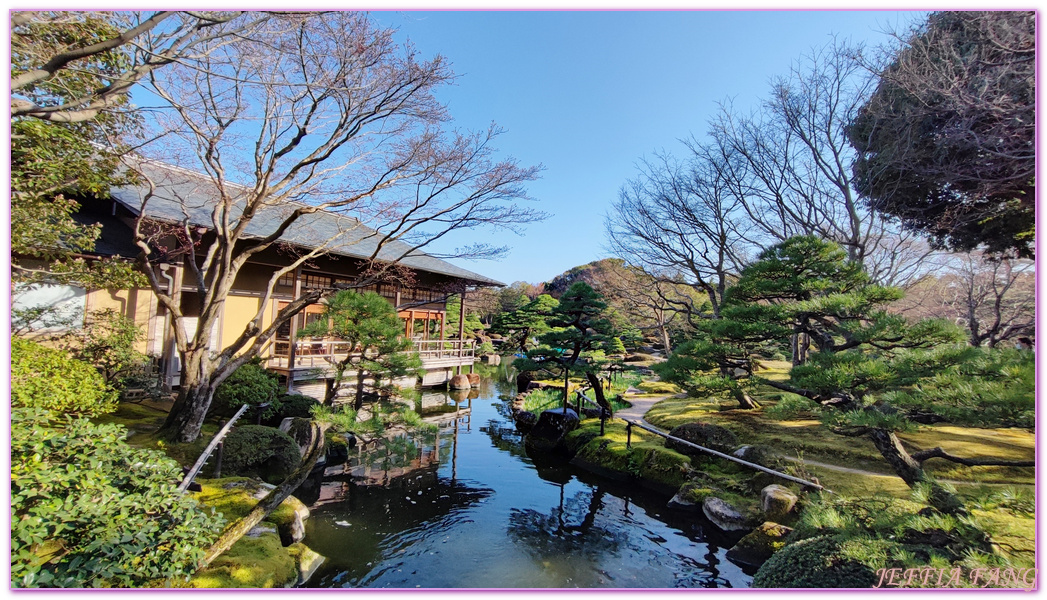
(665, 339)
(601, 399)
(187, 415)
(744, 400)
(906, 467)
(267, 505)
(359, 402)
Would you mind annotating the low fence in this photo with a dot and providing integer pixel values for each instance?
(629, 439)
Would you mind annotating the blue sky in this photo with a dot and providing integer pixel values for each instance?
(587, 94)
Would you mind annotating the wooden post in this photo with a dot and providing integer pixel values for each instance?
(461, 330)
(293, 332)
(628, 433)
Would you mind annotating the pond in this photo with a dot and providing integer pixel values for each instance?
(470, 509)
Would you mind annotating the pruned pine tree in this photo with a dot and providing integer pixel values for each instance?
(373, 336)
(579, 332)
(865, 356)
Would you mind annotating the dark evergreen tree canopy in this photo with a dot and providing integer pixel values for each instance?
(947, 140)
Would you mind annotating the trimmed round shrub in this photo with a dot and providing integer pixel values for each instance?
(250, 384)
(50, 379)
(819, 562)
(703, 434)
(259, 451)
(295, 405)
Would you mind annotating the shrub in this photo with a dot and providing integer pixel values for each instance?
(250, 384)
(256, 450)
(658, 387)
(50, 379)
(814, 563)
(295, 405)
(792, 406)
(703, 434)
(90, 511)
(107, 341)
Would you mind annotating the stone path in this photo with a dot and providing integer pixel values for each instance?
(639, 408)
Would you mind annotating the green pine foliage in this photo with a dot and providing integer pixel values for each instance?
(369, 324)
(522, 325)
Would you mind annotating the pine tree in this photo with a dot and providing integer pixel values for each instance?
(578, 334)
(374, 335)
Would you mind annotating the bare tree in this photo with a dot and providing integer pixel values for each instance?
(994, 298)
(73, 65)
(681, 221)
(310, 114)
(652, 303)
(789, 164)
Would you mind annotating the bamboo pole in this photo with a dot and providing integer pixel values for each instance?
(803, 482)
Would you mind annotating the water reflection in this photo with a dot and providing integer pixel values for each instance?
(469, 508)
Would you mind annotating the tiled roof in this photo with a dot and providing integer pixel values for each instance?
(180, 193)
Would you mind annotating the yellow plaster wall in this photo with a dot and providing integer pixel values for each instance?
(133, 304)
(237, 312)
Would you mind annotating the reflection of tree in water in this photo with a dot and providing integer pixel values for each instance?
(377, 523)
(505, 438)
(573, 529)
(567, 529)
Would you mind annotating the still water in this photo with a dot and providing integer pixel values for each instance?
(471, 509)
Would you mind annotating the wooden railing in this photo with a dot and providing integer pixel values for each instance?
(432, 349)
(312, 354)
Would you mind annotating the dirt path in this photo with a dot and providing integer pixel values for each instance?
(639, 407)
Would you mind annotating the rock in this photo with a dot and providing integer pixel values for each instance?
(761, 455)
(474, 379)
(308, 562)
(776, 501)
(525, 420)
(536, 385)
(703, 434)
(592, 413)
(460, 382)
(759, 545)
(682, 502)
(523, 380)
(548, 433)
(292, 531)
(493, 359)
(261, 529)
(724, 516)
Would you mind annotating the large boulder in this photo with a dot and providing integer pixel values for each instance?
(703, 434)
(553, 425)
(460, 382)
(474, 379)
(724, 516)
(759, 544)
(777, 501)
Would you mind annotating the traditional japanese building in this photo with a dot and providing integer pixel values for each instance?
(184, 197)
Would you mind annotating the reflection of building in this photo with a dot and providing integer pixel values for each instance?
(183, 196)
(396, 456)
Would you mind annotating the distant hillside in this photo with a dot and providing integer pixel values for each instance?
(592, 273)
